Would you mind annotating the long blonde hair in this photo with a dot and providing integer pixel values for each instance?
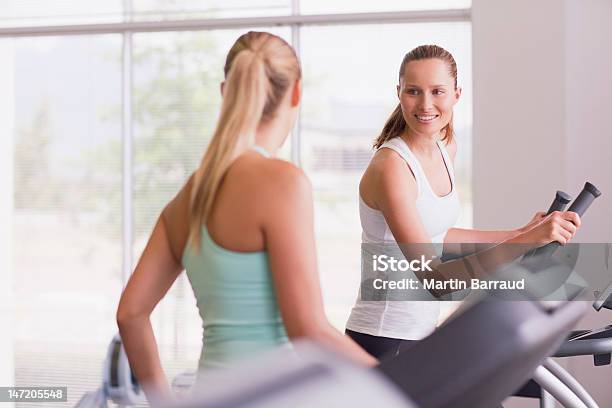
(396, 124)
(259, 69)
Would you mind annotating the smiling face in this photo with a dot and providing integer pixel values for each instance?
(427, 94)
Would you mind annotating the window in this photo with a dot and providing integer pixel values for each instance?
(67, 207)
(67, 100)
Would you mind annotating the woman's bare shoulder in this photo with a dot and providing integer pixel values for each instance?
(387, 173)
(388, 167)
(284, 192)
(270, 182)
(283, 177)
(386, 159)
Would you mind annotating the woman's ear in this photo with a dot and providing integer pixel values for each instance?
(296, 93)
(398, 88)
(222, 88)
(457, 94)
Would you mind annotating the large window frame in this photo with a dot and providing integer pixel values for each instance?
(127, 28)
(295, 21)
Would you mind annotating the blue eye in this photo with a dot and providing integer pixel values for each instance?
(412, 91)
(438, 92)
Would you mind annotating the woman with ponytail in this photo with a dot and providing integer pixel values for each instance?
(408, 196)
(241, 227)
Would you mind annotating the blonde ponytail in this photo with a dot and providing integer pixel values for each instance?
(250, 93)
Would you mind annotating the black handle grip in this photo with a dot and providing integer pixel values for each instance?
(586, 197)
(560, 201)
(558, 204)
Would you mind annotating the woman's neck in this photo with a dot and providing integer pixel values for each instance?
(271, 136)
(421, 144)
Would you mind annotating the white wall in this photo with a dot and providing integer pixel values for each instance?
(542, 114)
(588, 101)
(6, 208)
(519, 130)
(542, 104)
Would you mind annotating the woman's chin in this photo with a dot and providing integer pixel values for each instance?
(426, 128)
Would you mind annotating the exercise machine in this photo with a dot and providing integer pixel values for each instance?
(119, 384)
(473, 361)
(453, 367)
(551, 380)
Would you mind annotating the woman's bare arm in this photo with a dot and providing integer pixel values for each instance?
(395, 190)
(155, 273)
(289, 234)
(473, 236)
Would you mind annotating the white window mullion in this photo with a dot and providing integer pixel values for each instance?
(7, 132)
(128, 224)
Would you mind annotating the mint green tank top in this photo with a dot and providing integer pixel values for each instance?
(233, 290)
(236, 301)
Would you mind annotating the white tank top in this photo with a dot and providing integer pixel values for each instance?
(408, 320)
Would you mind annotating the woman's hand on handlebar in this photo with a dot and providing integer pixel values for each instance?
(560, 226)
(537, 218)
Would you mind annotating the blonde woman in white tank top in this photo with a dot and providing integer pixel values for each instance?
(408, 195)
